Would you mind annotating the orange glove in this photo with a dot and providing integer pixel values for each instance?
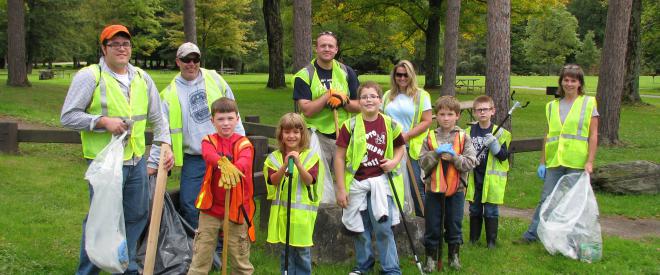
(336, 100)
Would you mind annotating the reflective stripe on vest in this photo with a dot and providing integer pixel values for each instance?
(211, 83)
(415, 143)
(323, 121)
(495, 179)
(567, 143)
(109, 100)
(303, 206)
(357, 150)
(441, 183)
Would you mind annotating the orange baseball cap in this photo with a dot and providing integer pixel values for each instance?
(111, 30)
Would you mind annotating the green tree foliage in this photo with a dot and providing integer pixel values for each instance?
(3, 32)
(589, 54)
(551, 37)
(591, 15)
(651, 36)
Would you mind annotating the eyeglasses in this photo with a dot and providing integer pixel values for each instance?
(117, 45)
(366, 97)
(401, 75)
(187, 60)
(482, 110)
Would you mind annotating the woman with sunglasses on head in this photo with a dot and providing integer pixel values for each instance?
(572, 138)
(410, 106)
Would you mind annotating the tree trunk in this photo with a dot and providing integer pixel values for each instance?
(612, 71)
(189, 27)
(451, 48)
(17, 74)
(432, 57)
(498, 57)
(274, 35)
(633, 56)
(302, 33)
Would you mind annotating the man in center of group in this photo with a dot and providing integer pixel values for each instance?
(186, 105)
(322, 87)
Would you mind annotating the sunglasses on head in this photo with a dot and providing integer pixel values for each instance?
(187, 59)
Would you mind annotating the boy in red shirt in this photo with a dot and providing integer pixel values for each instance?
(229, 157)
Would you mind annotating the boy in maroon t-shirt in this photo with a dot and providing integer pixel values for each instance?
(368, 146)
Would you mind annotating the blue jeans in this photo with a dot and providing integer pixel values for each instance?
(389, 260)
(480, 209)
(136, 209)
(420, 185)
(453, 219)
(552, 176)
(300, 261)
(192, 176)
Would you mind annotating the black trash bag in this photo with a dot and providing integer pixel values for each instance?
(175, 240)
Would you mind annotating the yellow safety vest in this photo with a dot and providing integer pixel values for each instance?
(567, 144)
(304, 201)
(211, 82)
(496, 173)
(323, 121)
(108, 100)
(357, 150)
(415, 143)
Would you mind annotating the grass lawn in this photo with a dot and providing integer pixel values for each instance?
(42, 213)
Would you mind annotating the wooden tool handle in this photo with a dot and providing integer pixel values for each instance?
(156, 212)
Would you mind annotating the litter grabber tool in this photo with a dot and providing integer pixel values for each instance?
(516, 104)
(156, 212)
(413, 179)
(405, 224)
(289, 171)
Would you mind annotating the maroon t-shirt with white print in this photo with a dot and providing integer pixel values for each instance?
(376, 135)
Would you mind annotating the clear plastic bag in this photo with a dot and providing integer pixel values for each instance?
(569, 220)
(105, 232)
(408, 205)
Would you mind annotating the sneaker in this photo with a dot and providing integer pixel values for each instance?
(430, 265)
(355, 272)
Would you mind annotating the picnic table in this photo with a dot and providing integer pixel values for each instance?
(470, 84)
(227, 71)
(467, 106)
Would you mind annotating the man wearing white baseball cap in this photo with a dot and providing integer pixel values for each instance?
(186, 105)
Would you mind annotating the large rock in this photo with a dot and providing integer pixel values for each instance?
(332, 246)
(637, 177)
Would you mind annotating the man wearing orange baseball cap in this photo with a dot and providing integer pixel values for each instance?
(110, 98)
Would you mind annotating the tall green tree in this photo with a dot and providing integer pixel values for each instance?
(274, 33)
(3, 32)
(650, 27)
(222, 28)
(589, 54)
(17, 73)
(633, 56)
(591, 14)
(551, 37)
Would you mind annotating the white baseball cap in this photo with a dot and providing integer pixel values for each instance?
(186, 49)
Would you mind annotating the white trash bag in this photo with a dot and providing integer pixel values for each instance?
(408, 192)
(105, 232)
(328, 185)
(569, 220)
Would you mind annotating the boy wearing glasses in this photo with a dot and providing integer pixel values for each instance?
(113, 97)
(368, 146)
(186, 105)
(486, 182)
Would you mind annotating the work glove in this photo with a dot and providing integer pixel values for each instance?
(445, 148)
(540, 171)
(336, 99)
(492, 143)
(229, 174)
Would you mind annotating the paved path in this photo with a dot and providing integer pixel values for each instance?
(620, 226)
(543, 89)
